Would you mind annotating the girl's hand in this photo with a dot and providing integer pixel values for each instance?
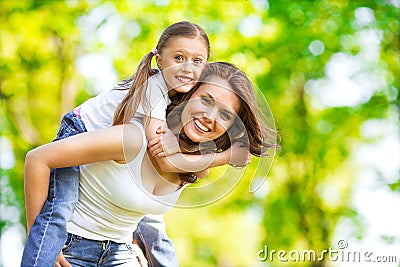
(164, 144)
(239, 155)
(140, 256)
(61, 261)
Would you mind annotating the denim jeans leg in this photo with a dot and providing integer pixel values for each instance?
(155, 243)
(49, 233)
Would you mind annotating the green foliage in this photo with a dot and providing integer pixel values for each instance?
(311, 178)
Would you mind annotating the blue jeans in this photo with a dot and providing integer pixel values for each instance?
(84, 252)
(49, 231)
(155, 244)
(49, 234)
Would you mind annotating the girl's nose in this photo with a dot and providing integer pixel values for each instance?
(187, 67)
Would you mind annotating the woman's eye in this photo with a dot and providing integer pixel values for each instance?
(206, 100)
(179, 57)
(226, 116)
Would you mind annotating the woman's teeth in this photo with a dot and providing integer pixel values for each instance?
(201, 126)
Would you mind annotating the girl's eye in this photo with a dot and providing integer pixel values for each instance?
(179, 57)
(206, 100)
(226, 116)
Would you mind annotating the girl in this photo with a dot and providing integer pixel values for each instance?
(120, 184)
(180, 52)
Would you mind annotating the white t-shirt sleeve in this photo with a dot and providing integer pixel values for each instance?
(98, 112)
(156, 99)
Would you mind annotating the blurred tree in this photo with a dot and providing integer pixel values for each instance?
(48, 51)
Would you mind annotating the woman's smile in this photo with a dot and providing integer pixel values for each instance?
(201, 126)
(210, 111)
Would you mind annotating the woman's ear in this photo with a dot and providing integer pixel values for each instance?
(159, 61)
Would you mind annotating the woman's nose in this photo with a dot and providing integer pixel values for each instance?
(211, 115)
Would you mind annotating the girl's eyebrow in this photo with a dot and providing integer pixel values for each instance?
(184, 51)
(180, 51)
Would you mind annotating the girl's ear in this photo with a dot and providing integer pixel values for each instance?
(159, 61)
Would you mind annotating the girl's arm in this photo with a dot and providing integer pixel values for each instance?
(236, 155)
(101, 145)
(180, 162)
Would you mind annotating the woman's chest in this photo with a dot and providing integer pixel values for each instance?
(156, 182)
(118, 187)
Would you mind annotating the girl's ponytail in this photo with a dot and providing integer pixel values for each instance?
(128, 106)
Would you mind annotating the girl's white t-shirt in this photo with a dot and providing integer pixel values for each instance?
(98, 112)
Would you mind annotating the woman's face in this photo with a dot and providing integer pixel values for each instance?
(210, 111)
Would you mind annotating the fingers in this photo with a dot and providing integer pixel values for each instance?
(162, 130)
(154, 141)
(158, 152)
(156, 149)
(160, 155)
(240, 156)
(159, 130)
(61, 261)
(141, 258)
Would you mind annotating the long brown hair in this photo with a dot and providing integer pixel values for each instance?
(248, 128)
(128, 106)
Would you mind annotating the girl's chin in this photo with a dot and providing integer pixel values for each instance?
(184, 88)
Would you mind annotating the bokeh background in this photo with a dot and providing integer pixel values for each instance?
(329, 70)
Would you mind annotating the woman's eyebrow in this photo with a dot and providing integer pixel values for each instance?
(209, 95)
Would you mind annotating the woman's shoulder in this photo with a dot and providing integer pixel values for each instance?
(133, 139)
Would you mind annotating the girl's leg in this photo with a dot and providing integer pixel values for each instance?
(48, 233)
(155, 243)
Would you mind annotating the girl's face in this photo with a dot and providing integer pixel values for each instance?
(210, 111)
(182, 61)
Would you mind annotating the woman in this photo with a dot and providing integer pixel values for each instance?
(120, 184)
